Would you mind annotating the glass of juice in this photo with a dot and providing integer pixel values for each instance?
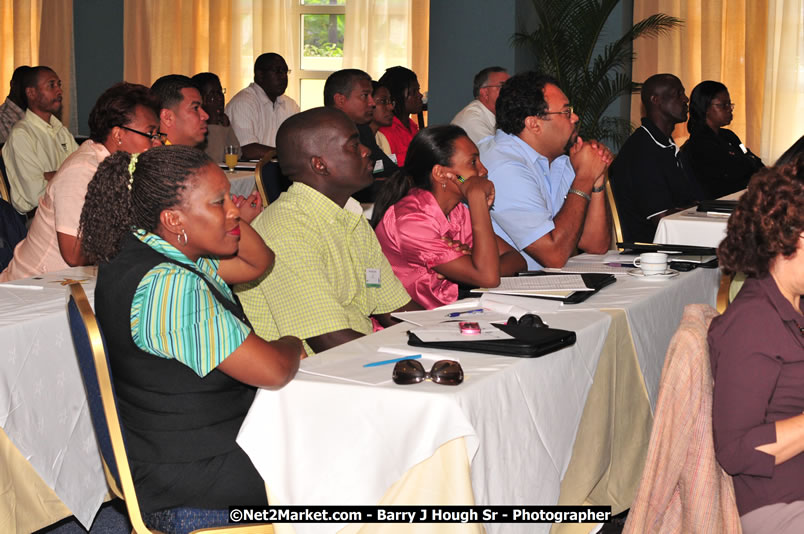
(231, 157)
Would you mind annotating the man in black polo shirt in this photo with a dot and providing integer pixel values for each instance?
(647, 177)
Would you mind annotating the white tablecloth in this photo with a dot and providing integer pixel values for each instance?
(654, 310)
(43, 406)
(326, 441)
(241, 182)
(691, 227)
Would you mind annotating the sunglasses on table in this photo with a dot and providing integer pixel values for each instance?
(446, 372)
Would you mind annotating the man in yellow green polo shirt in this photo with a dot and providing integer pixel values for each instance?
(39, 143)
(330, 277)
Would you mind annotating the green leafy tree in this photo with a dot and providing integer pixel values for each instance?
(323, 35)
(564, 47)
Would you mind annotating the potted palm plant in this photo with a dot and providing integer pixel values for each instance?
(564, 46)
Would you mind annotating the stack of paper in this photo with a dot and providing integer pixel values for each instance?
(540, 286)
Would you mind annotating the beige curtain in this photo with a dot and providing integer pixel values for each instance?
(783, 109)
(29, 38)
(57, 51)
(420, 60)
(754, 47)
(225, 36)
(275, 27)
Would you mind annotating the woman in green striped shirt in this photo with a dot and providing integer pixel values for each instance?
(184, 359)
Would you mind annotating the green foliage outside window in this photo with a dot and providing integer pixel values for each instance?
(323, 35)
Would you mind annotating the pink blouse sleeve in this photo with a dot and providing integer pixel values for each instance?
(420, 241)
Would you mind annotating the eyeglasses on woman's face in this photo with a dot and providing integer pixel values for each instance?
(156, 136)
(724, 105)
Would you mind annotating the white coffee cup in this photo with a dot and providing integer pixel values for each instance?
(652, 263)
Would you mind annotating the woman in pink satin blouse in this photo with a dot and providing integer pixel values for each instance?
(432, 220)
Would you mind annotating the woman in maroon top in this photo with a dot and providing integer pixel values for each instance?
(757, 354)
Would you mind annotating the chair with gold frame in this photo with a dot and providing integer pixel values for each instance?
(258, 178)
(94, 364)
(270, 180)
(723, 300)
(615, 216)
(4, 191)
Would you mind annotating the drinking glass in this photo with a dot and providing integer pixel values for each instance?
(231, 157)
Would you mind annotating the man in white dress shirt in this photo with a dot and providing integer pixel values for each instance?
(257, 111)
(478, 117)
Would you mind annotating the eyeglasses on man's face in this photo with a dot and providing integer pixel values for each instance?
(279, 71)
(156, 136)
(567, 112)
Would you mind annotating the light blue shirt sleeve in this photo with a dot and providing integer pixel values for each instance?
(520, 208)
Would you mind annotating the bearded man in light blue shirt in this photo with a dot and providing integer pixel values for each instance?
(549, 182)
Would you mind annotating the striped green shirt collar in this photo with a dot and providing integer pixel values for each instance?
(205, 265)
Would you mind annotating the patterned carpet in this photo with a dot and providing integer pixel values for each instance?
(112, 518)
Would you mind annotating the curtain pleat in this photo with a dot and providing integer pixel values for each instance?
(225, 37)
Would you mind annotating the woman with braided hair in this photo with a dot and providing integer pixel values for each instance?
(184, 360)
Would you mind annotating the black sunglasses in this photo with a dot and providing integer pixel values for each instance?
(446, 372)
(528, 319)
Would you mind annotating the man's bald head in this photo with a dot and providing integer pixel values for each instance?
(665, 101)
(320, 148)
(303, 136)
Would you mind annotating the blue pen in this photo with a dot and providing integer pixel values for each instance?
(393, 360)
(458, 314)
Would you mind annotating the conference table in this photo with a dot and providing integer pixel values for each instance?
(692, 227)
(571, 427)
(50, 466)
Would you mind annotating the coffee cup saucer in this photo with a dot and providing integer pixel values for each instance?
(667, 274)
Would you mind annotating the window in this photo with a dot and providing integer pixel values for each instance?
(322, 38)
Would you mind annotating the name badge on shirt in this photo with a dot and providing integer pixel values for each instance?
(372, 278)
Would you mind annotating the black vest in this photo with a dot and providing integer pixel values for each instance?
(174, 422)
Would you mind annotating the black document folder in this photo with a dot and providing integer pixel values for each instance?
(717, 206)
(528, 342)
